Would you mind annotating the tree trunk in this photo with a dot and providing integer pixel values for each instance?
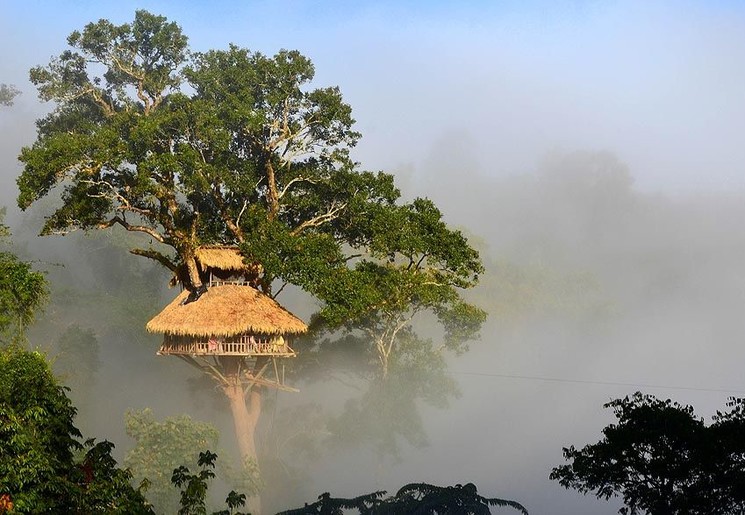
(245, 419)
(191, 267)
(383, 357)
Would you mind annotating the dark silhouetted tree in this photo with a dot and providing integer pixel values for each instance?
(661, 459)
(426, 499)
(412, 499)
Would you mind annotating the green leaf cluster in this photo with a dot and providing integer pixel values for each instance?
(22, 291)
(39, 467)
(193, 487)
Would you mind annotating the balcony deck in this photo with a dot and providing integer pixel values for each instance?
(243, 345)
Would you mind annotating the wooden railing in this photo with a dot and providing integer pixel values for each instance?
(243, 345)
(220, 282)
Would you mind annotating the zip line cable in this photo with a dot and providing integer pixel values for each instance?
(605, 383)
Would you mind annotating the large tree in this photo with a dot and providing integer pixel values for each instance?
(663, 460)
(235, 147)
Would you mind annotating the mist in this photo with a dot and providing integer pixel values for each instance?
(592, 154)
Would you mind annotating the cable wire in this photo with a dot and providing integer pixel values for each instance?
(606, 383)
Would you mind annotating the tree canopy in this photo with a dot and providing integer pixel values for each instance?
(662, 459)
(236, 147)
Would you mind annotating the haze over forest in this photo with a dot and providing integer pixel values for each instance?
(590, 151)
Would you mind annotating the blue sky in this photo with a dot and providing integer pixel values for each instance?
(658, 83)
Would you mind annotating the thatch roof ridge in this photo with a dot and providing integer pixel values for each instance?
(224, 257)
(226, 310)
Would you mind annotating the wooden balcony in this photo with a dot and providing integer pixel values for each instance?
(242, 345)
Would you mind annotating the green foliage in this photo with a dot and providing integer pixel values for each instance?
(107, 488)
(414, 498)
(38, 435)
(662, 459)
(194, 488)
(38, 443)
(22, 291)
(8, 92)
(160, 447)
(404, 260)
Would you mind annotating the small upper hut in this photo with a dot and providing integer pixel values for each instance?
(220, 264)
(231, 318)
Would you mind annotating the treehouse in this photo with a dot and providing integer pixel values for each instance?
(230, 327)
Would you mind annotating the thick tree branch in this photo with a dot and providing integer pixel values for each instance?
(331, 214)
(294, 181)
(272, 196)
(132, 228)
(98, 98)
(243, 210)
(157, 256)
(125, 204)
(232, 226)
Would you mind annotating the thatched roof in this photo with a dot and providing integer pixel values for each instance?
(226, 311)
(222, 257)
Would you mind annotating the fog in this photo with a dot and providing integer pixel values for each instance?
(592, 152)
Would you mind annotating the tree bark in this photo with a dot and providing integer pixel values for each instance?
(245, 419)
(272, 195)
(191, 267)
